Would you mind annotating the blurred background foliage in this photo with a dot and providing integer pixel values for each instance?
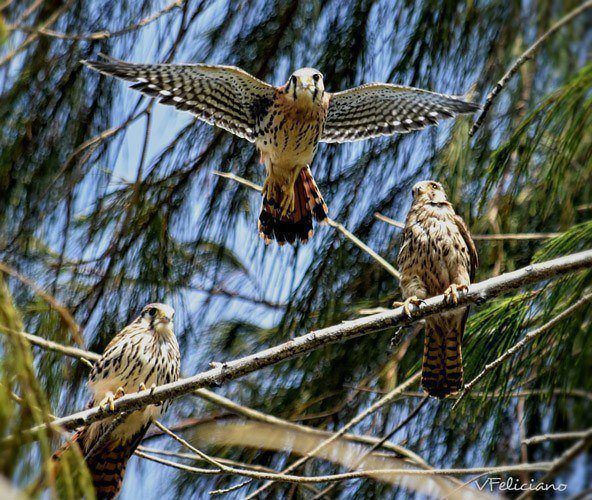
(108, 201)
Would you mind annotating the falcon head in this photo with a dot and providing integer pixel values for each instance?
(158, 318)
(429, 192)
(305, 83)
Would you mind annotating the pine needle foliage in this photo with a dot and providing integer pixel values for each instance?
(108, 201)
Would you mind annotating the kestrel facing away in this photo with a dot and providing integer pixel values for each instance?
(286, 123)
(437, 257)
(143, 355)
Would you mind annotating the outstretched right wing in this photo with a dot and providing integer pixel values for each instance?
(377, 109)
(225, 96)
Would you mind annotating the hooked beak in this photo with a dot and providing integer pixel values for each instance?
(308, 83)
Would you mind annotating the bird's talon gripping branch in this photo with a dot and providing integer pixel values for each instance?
(452, 293)
(148, 344)
(143, 387)
(414, 300)
(107, 402)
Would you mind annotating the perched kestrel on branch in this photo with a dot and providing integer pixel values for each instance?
(286, 123)
(144, 354)
(437, 257)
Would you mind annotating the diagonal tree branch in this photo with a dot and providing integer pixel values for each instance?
(518, 346)
(224, 372)
(561, 463)
(499, 86)
(557, 436)
(49, 299)
(333, 223)
(101, 35)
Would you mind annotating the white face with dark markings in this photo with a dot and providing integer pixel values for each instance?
(429, 192)
(158, 318)
(306, 83)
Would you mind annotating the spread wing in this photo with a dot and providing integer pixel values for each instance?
(464, 231)
(377, 109)
(225, 96)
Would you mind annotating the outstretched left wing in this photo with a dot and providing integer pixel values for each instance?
(377, 109)
(225, 96)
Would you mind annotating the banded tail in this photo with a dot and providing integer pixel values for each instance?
(106, 465)
(442, 370)
(296, 225)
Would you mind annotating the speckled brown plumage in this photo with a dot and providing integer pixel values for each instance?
(144, 354)
(286, 124)
(437, 252)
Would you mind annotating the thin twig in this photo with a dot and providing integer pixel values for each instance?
(340, 227)
(388, 220)
(518, 346)
(223, 372)
(142, 451)
(535, 466)
(385, 400)
(483, 237)
(573, 393)
(412, 414)
(557, 436)
(252, 414)
(49, 299)
(360, 244)
(187, 445)
(240, 180)
(35, 35)
(562, 462)
(49, 345)
(101, 35)
(499, 86)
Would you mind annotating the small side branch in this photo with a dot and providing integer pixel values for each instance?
(101, 35)
(529, 337)
(340, 227)
(482, 237)
(557, 436)
(562, 462)
(499, 86)
(49, 299)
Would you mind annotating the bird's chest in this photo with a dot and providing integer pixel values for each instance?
(142, 360)
(438, 246)
(290, 134)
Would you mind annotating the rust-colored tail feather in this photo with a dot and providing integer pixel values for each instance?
(297, 225)
(442, 371)
(107, 464)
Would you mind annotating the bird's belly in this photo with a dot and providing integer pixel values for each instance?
(146, 368)
(440, 257)
(290, 141)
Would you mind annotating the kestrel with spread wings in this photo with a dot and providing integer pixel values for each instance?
(437, 256)
(142, 355)
(286, 124)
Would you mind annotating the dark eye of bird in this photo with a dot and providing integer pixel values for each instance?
(293, 79)
(316, 77)
(152, 311)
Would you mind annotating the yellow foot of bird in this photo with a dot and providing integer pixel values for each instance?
(144, 388)
(109, 399)
(413, 300)
(451, 293)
